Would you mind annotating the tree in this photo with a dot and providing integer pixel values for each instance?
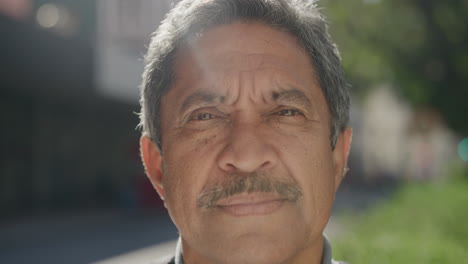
(420, 46)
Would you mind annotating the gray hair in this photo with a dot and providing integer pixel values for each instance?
(300, 18)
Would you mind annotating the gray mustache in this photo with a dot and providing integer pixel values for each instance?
(254, 182)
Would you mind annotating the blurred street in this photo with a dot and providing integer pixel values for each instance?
(82, 237)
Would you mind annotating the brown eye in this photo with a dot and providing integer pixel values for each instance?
(289, 112)
(203, 116)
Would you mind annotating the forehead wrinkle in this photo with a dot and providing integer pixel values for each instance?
(244, 62)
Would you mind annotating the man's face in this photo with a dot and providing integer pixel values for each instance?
(246, 171)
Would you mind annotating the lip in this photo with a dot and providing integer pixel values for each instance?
(251, 204)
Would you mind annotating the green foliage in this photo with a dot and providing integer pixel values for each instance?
(423, 223)
(419, 46)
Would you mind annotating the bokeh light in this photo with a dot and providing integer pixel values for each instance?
(463, 149)
(48, 15)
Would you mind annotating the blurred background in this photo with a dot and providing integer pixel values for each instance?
(72, 187)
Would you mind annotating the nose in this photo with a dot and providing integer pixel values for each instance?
(246, 150)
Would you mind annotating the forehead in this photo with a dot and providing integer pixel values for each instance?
(232, 61)
(242, 46)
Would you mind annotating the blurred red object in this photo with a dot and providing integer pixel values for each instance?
(17, 9)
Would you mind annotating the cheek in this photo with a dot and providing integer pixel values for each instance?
(186, 166)
(317, 167)
(309, 160)
(179, 184)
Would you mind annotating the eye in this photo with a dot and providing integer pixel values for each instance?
(202, 116)
(289, 112)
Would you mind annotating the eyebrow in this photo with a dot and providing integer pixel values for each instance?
(201, 98)
(293, 95)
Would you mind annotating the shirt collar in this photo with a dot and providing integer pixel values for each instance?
(326, 254)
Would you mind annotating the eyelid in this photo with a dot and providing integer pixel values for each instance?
(203, 110)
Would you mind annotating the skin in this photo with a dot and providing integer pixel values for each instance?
(246, 100)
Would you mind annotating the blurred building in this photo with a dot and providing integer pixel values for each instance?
(123, 31)
(68, 97)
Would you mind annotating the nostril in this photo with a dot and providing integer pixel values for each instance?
(228, 167)
(265, 164)
(245, 161)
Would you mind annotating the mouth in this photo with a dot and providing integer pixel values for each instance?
(249, 204)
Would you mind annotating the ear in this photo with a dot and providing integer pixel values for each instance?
(153, 161)
(340, 155)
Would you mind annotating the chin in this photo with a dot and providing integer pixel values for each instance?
(272, 239)
(259, 248)
(255, 251)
